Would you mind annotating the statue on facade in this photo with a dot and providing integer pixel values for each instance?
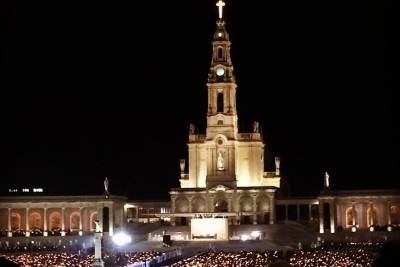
(256, 127)
(106, 187)
(220, 161)
(182, 165)
(97, 223)
(192, 128)
(326, 180)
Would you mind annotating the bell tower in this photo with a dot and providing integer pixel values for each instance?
(221, 115)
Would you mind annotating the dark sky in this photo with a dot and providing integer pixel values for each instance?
(109, 89)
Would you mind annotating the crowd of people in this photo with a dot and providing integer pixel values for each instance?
(244, 258)
(361, 254)
(51, 259)
(336, 255)
(148, 258)
(329, 254)
(53, 245)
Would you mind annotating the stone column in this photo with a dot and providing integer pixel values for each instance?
(148, 215)
(310, 212)
(111, 220)
(9, 233)
(27, 228)
(389, 215)
(321, 217)
(254, 197)
(98, 261)
(229, 204)
(80, 221)
(298, 212)
(272, 210)
(63, 221)
(45, 222)
(332, 217)
(173, 208)
(353, 208)
(371, 213)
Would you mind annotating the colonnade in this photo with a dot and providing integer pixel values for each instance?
(64, 217)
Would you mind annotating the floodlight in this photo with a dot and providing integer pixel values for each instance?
(255, 234)
(121, 239)
(244, 237)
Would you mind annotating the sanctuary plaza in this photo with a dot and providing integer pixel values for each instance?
(223, 185)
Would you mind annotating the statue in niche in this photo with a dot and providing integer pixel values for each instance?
(326, 180)
(256, 127)
(192, 128)
(220, 162)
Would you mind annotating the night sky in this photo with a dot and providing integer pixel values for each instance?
(109, 89)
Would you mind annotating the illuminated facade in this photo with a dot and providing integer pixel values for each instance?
(61, 215)
(226, 168)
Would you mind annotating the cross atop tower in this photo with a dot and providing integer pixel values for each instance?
(220, 4)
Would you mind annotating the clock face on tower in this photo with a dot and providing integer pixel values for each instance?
(220, 71)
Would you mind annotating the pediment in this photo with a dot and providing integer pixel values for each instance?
(220, 187)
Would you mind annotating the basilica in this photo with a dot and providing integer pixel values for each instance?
(222, 178)
(226, 168)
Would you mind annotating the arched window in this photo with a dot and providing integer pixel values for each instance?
(220, 53)
(220, 102)
(351, 217)
(15, 221)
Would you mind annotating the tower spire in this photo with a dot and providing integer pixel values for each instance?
(221, 115)
(220, 4)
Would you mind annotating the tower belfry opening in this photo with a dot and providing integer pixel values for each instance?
(220, 103)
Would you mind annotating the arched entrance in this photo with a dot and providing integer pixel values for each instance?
(35, 221)
(351, 217)
(263, 209)
(74, 220)
(55, 221)
(372, 216)
(15, 221)
(221, 205)
(198, 204)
